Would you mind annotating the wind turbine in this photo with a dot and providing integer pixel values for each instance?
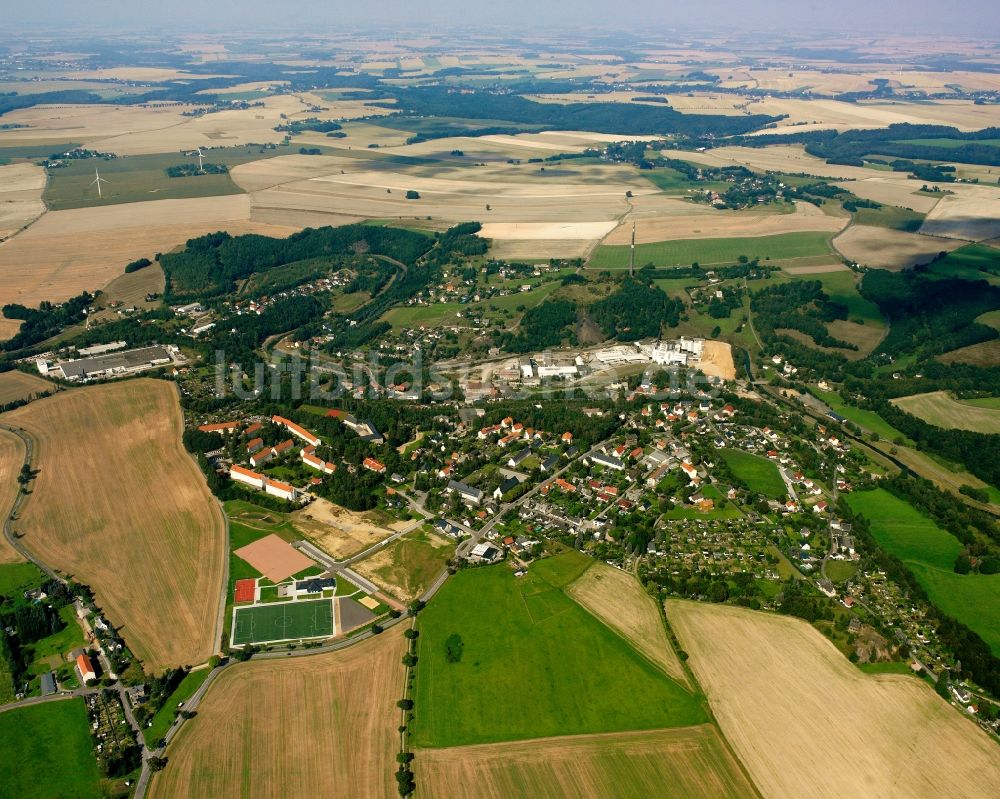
(98, 180)
(201, 167)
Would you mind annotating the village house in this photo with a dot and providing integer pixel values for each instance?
(373, 465)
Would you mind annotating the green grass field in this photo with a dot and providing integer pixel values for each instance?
(164, 717)
(971, 262)
(843, 287)
(758, 473)
(941, 409)
(16, 577)
(930, 552)
(840, 570)
(713, 251)
(533, 664)
(142, 177)
(992, 403)
(887, 668)
(47, 653)
(890, 216)
(869, 420)
(283, 622)
(47, 752)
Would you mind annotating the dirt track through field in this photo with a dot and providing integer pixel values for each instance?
(686, 763)
(11, 458)
(617, 599)
(119, 505)
(320, 726)
(807, 722)
(20, 197)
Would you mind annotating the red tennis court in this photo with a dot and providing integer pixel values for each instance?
(246, 590)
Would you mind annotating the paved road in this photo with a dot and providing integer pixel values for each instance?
(41, 700)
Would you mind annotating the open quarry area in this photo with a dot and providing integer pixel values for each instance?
(500, 402)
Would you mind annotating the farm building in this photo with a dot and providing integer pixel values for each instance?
(48, 683)
(85, 669)
(486, 553)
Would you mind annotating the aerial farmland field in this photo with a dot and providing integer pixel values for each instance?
(533, 664)
(618, 599)
(931, 552)
(136, 515)
(274, 714)
(679, 763)
(11, 460)
(777, 248)
(896, 737)
(942, 410)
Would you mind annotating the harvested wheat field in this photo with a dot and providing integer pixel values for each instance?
(819, 269)
(717, 360)
(340, 532)
(713, 224)
(542, 231)
(323, 725)
(20, 197)
(894, 190)
(122, 507)
(132, 288)
(985, 354)
(143, 130)
(972, 213)
(779, 688)
(459, 196)
(16, 385)
(882, 248)
(777, 158)
(617, 599)
(939, 408)
(683, 763)
(11, 458)
(821, 114)
(541, 249)
(67, 252)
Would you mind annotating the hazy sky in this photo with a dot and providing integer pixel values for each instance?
(978, 17)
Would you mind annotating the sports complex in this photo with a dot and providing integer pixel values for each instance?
(283, 621)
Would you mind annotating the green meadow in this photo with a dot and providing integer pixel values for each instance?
(780, 247)
(758, 473)
(533, 664)
(930, 552)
